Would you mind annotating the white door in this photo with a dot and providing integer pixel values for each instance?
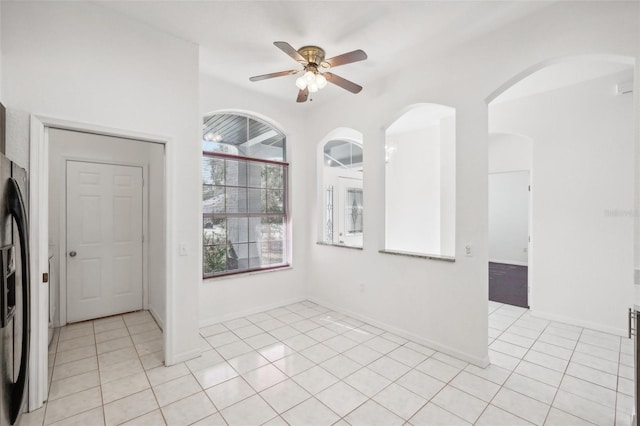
(350, 211)
(104, 240)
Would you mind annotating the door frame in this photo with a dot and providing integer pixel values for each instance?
(62, 247)
(39, 240)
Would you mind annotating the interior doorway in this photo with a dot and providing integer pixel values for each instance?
(510, 159)
(578, 115)
(105, 235)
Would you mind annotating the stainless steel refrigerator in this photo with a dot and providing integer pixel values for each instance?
(14, 288)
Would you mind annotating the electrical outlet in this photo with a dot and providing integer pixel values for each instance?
(361, 287)
(468, 250)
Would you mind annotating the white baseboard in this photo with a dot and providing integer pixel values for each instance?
(579, 323)
(255, 310)
(156, 317)
(509, 262)
(478, 361)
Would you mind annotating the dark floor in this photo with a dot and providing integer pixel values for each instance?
(508, 284)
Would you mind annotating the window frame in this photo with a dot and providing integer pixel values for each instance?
(285, 215)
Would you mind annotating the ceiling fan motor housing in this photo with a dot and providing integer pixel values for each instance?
(314, 55)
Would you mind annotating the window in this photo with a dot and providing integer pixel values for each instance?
(354, 211)
(244, 194)
(340, 179)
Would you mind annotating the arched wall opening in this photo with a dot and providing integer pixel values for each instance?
(579, 114)
(420, 147)
(340, 157)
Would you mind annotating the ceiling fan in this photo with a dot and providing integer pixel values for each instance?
(313, 61)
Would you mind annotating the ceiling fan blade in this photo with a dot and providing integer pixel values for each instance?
(289, 50)
(342, 82)
(303, 95)
(347, 58)
(272, 75)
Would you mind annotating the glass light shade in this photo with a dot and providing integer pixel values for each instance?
(309, 76)
(313, 87)
(208, 136)
(301, 83)
(321, 81)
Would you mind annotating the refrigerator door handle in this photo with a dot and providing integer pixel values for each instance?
(16, 207)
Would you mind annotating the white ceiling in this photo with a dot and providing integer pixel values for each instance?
(236, 37)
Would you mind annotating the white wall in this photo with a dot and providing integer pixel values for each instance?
(442, 303)
(509, 153)
(448, 186)
(81, 62)
(509, 217)
(412, 187)
(66, 145)
(583, 168)
(228, 297)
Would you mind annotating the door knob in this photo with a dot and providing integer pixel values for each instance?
(72, 253)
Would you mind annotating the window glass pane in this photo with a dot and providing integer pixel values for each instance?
(213, 199)
(215, 259)
(237, 256)
(236, 200)
(275, 176)
(236, 173)
(257, 200)
(238, 229)
(212, 171)
(255, 228)
(354, 210)
(239, 135)
(255, 260)
(257, 175)
(273, 228)
(271, 253)
(275, 201)
(215, 231)
(265, 141)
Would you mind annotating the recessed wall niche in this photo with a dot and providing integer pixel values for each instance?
(420, 206)
(340, 189)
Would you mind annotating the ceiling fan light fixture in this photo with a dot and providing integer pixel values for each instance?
(309, 76)
(301, 83)
(321, 81)
(312, 60)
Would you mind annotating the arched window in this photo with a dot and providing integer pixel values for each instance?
(244, 195)
(341, 199)
(420, 182)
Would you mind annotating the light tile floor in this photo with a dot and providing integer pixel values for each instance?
(303, 364)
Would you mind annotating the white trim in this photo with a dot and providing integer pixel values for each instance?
(509, 262)
(579, 323)
(156, 317)
(480, 362)
(39, 243)
(228, 317)
(39, 236)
